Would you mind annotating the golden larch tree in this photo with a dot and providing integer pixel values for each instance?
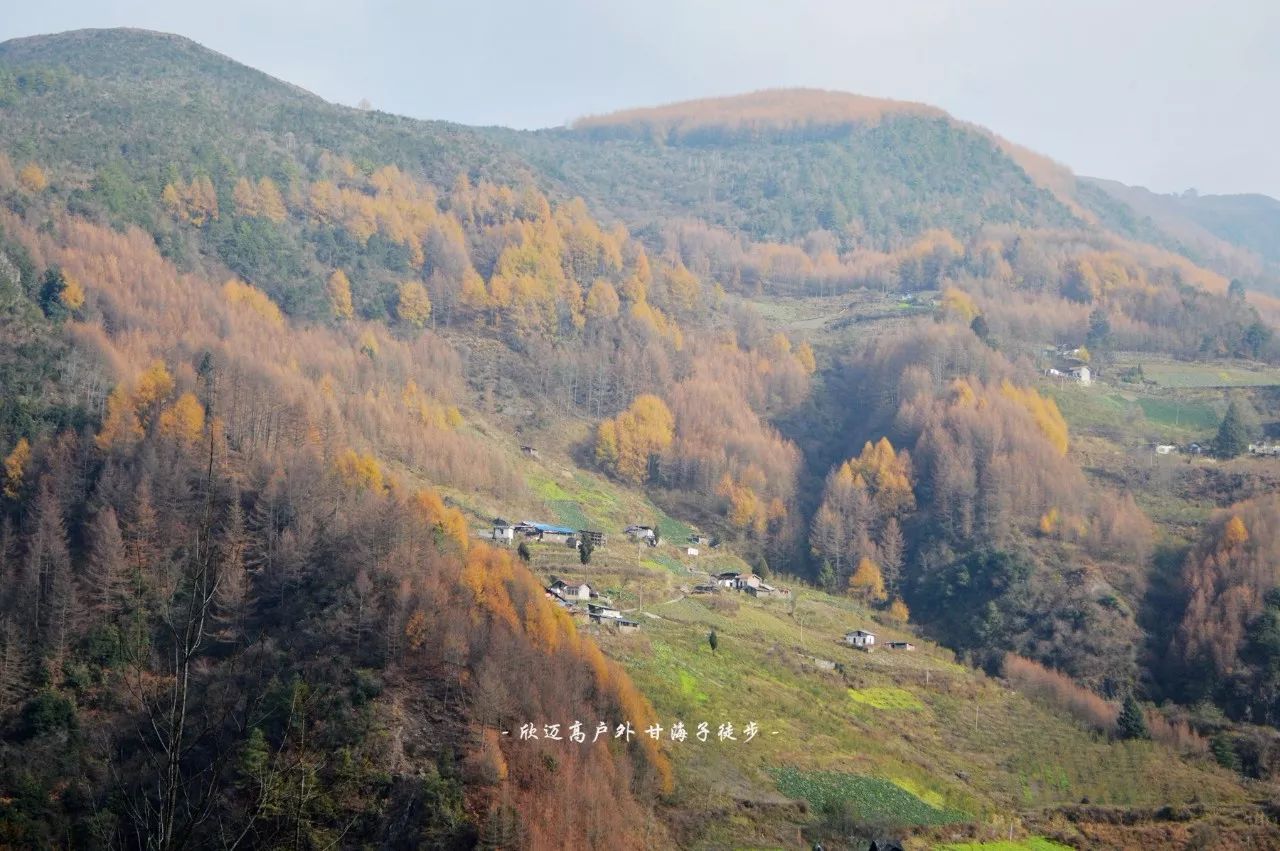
(867, 583)
(898, 611)
(957, 304)
(32, 178)
(15, 464)
(804, 355)
(72, 295)
(629, 442)
(360, 471)
(414, 305)
(183, 420)
(340, 295)
(246, 198)
(270, 201)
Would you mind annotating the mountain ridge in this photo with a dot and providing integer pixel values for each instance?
(794, 112)
(26, 47)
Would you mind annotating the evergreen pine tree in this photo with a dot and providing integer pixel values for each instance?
(827, 577)
(981, 329)
(1132, 724)
(1099, 329)
(1233, 433)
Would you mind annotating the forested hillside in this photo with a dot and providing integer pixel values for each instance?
(778, 166)
(273, 369)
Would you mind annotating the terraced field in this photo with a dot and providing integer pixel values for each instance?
(870, 799)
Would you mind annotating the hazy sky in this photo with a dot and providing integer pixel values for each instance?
(1167, 94)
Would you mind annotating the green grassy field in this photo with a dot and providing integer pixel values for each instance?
(874, 800)
(1034, 843)
(1170, 373)
(915, 731)
(906, 738)
(1132, 415)
(1179, 414)
(885, 697)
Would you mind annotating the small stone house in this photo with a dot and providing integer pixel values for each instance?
(860, 639)
(572, 590)
(503, 531)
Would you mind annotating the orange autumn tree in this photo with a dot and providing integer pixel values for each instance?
(262, 200)
(183, 420)
(414, 305)
(72, 295)
(195, 203)
(745, 509)
(602, 302)
(246, 198)
(132, 406)
(804, 355)
(1043, 410)
(429, 411)
(898, 611)
(15, 464)
(860, 498)
(340, 295)
(1226, 579)
(255, 300)
(887, 474)
(867, 583)
(32, 178)
(957, 304)
(449, 522)
(360, 470)
(628, 444)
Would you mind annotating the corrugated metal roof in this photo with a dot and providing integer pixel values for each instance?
(555, 530)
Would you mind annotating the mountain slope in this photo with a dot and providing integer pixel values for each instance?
(79, 97)
(778, 165)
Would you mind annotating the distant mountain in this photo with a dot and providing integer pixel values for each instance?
(1238, 234)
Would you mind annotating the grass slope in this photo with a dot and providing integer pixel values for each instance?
(902, 737)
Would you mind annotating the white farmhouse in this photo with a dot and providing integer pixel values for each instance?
(860, 638)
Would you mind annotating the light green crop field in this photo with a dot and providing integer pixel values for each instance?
(1171, 373)
(885, 697)
(1130, 414)
(907, 737)
(1179, 414)
(1035, 843)
(872, 799)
